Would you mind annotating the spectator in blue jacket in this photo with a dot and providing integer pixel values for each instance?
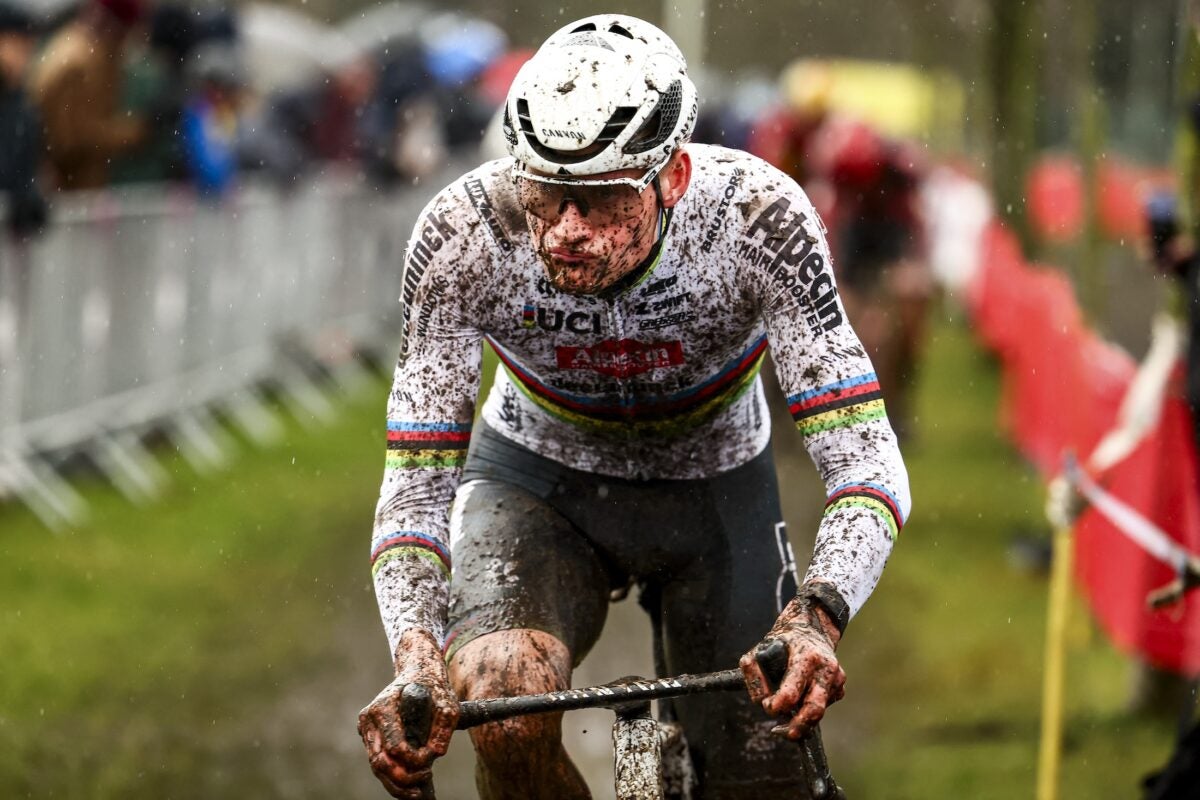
(210, 120)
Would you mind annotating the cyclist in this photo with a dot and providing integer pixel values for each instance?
(630, 284)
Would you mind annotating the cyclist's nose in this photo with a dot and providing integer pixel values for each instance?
(572, 224)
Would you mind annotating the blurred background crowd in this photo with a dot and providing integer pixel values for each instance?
(111, 92)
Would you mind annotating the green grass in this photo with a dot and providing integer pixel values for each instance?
(948, 652)
(125, 639)
(141, 654)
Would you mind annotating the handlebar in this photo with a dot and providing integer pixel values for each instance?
(610, 695)
(416, 707)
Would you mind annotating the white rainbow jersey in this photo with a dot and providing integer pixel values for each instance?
(657, 380)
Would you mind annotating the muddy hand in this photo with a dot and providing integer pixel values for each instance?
(813, 679)
(410, 722)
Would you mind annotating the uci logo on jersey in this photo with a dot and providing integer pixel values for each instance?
(555, 319)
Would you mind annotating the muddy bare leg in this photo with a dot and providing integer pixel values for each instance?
(521, 758)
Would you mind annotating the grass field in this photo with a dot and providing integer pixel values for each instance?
(949, 648)
(217, 644)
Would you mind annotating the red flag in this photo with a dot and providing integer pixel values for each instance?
(1063, 387)
(1055, 192)
(1159, 479)
(1062, 383)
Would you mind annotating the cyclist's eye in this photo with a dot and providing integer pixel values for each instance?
(606, 195)
(541, 200)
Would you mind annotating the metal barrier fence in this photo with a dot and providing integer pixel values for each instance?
(147, 307)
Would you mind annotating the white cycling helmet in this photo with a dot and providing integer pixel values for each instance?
(608, 92)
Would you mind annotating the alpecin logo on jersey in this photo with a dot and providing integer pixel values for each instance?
(621, 358)
(788, 254)
(555, 319)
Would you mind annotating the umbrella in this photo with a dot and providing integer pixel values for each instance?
(380, 27)
(285, 48)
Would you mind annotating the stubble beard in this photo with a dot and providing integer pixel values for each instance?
(593, 276)
(577, 279)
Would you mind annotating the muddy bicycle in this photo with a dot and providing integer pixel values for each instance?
(650, 760)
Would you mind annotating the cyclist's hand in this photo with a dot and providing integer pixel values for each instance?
(405, 770)
(814, 680)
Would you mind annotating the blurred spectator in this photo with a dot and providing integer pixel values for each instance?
(458, 51)
(735, 110)
(76, 85)
(1173, 251)
(156, 86)
(320, 122)
(432, 99)
(879, 249)
(210, 121)
(401, 132)
(20, 127)
(784, 136)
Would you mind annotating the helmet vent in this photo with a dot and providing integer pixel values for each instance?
(612, 129)
(510, 134)
(617, 29)
(659, 125)
(585, 39)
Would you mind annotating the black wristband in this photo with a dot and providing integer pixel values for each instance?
(827, 597)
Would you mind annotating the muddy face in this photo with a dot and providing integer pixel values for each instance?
(582, 257)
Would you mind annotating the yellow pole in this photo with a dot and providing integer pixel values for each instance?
(1050, 752)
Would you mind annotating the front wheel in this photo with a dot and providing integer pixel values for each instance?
(678, 773)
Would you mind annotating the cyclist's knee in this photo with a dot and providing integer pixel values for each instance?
(510, 662)
(519, 744)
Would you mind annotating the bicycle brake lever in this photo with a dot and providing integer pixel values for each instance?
(416, 715)
(772, 658)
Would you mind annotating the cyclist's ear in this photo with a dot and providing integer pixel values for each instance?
(675, 177)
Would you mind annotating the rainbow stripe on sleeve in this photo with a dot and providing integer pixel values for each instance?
(871, 496)
(838, 405)
(427, 444)
(387, 547)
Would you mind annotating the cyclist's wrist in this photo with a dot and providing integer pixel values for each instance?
(827, 604)
(828, 626)
(414, 645)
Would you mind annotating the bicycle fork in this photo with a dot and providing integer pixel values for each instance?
(637, 758)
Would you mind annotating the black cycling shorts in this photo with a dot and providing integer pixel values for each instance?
(537, 545)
